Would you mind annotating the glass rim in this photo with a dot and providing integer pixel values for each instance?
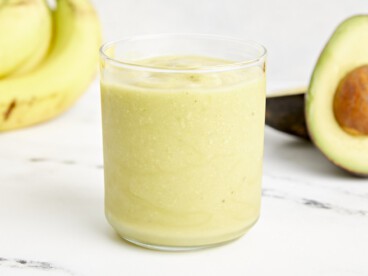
(208, 69)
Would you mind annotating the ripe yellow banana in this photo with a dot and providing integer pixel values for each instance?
(25, 34)
(68, 69)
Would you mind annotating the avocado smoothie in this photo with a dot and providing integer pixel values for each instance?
(182, 139)
(183, 152)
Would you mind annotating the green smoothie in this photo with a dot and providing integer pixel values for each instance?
(183, 151)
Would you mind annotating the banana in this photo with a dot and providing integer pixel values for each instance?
(68, 69)
(25, 34)
(44, 36)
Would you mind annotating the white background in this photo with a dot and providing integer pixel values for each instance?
(293, 31)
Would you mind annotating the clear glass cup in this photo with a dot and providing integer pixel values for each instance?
(183, 126)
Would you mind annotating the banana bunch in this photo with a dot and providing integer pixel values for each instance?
(47, 58)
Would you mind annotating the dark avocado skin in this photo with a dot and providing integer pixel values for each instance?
(286, 114)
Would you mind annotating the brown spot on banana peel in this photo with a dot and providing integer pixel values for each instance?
(30, 103)
(65, 102)
(10, 110)
(286, 114)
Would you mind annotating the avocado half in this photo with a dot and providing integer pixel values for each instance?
(337, 99)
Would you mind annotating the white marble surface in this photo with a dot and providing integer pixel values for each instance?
(314, 216)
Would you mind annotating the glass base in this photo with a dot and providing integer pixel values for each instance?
(182, 248)
(176, 248)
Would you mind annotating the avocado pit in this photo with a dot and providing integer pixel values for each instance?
(350, 103)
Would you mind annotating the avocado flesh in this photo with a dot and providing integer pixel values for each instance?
(346, 50)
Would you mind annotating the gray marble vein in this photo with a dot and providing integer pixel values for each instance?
(61, 162)
(313, 203)
(30, 264)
